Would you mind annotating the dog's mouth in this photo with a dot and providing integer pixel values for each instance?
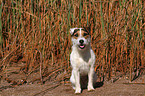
(82, 46)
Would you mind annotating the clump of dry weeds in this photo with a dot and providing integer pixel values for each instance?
(35, 40)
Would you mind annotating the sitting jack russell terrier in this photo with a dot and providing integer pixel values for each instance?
(82, 59)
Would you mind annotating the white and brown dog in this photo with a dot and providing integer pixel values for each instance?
(82, 59)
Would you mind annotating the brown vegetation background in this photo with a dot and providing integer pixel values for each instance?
(35, 43)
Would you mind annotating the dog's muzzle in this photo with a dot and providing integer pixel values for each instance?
(81, 45)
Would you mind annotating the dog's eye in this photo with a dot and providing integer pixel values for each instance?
(76, 35)
(85, 34)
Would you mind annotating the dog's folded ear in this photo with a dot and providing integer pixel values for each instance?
(87, 29)
(72, 30)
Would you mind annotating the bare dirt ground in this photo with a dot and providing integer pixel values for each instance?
(119, 88)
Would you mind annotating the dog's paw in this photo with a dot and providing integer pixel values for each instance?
(78, 91)
(90, 89)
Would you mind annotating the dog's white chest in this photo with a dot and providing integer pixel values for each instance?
(84, 67)
(82, 64)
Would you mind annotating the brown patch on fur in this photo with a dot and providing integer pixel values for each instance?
(85, 34)
(76, 33)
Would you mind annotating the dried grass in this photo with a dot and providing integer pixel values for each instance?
(35, 37)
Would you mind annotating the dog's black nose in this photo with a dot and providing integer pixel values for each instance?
(81, 41)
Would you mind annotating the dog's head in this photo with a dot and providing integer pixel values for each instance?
(80, 37)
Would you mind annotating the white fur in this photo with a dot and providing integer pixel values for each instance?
(82, 62)
(72, 30)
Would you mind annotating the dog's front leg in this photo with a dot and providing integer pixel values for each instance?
(90, 77)
(77, 83)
